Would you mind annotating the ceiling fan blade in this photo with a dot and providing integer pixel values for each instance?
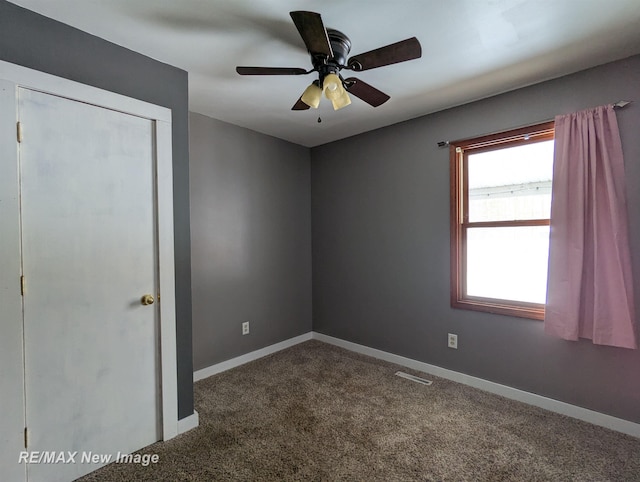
(312, 31)
(300, 105)
(366, 92)
(402, 51)
(270, 71)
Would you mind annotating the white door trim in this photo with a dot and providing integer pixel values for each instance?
(35, 80)
(11, 353)
(50, 84)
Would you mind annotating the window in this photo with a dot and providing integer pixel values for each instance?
(500, 205)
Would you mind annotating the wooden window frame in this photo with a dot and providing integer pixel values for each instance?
(458, 154)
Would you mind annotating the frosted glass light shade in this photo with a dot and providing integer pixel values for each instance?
(311, 96)
(332, 87)
(341, 101)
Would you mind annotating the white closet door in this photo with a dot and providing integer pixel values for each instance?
(89, 255)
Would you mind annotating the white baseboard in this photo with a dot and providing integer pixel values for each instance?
(591, 416)
(188, 423)
(254, 355)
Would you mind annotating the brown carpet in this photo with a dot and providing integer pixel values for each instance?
(320, 413)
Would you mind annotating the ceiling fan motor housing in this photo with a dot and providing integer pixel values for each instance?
(340, 45)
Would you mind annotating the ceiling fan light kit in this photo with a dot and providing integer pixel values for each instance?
(341, 101)
(332, 86)
(329, 49)
(312, 95)
(335, 91)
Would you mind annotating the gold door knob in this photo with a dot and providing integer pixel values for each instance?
(147, 300)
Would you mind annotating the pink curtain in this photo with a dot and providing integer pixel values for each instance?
(590, 289)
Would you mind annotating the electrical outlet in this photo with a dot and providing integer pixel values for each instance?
(245, 328)
(452, 341)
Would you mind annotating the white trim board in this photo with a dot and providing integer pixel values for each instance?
(591, 416)
(61, 87)
(584, 414)
(254, 355)
(188, 423)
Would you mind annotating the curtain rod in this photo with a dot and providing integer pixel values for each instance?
(618, 105)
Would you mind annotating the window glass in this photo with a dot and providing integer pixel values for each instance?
(508, 263)
(511, 184)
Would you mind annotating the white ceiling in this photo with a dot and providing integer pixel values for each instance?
(470, 49)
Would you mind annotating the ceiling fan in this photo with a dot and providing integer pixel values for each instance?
(328, 49)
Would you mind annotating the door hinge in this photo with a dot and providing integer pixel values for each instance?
(19, 131)
(25, 438)
(22, 285)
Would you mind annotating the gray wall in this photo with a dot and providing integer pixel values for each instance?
(380, 210)
(250, 240)
(37, 42)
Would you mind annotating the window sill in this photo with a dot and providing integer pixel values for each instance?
(520, 310)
